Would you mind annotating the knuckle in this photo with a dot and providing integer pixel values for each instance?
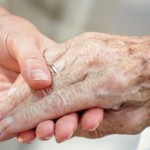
(95, 35)
(8, 39)
(30, 58)
(88, 35)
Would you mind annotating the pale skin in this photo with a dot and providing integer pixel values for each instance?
(95, 70)
(21, 51)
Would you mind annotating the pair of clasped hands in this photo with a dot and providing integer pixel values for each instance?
(101, 86)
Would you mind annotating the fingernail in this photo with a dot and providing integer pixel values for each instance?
(48, 138)
(60, 141)
(30, 142)
(94, 127)
(6, 122)
(39, 75)
(70, 136)
(11, 91)
(24, 142)
(20, 140)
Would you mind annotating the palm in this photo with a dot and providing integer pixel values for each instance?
(7, 78)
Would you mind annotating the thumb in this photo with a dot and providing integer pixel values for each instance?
(29, 56)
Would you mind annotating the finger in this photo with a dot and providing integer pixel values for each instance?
(45, 130)
(91, 119)
(66, 100)
(6, 136)
(66, 126)
(17, 93)
(26, 137)
(29, 56)
(54, 53)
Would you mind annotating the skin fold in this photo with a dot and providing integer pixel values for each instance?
(94, 70)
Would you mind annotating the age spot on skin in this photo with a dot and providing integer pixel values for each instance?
(131, 51)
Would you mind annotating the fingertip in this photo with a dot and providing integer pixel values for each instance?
(37, 79)
(65, 127)
(91, 119)
(39, 84)
(35, 72)
(26, 137)
(45, 130)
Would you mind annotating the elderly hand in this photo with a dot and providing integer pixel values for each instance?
(95, 70)
(22, 45)
(125, 91)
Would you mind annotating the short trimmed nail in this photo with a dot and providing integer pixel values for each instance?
(22, 141)
(70, 136)
(48, 138)
(30, 142)
(39, 75)
(60, 141)
(95, 127)
(6, 122)
(11, 91)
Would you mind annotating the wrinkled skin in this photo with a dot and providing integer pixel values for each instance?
(21, 51)
(95, 70)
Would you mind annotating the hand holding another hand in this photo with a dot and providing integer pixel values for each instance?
(94, 70)
(22, 45)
